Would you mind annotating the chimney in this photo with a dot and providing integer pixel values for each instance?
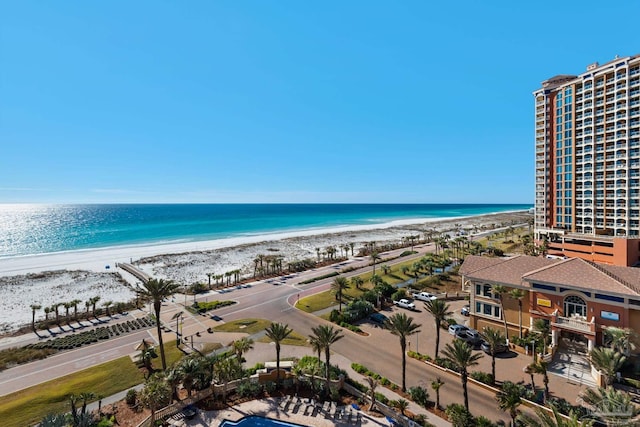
(592, 66)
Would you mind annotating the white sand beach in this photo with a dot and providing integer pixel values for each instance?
(60, 277)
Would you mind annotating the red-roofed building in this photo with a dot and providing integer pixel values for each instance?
(576, 297)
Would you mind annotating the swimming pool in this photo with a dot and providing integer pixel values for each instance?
(255, 421)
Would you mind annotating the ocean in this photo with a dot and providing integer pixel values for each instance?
(38, 229)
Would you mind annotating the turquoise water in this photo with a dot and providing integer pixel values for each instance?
(255, 421)
(37, 229)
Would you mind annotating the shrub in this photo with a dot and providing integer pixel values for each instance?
(481, 421)
(370, 296)
(420, 395)
(384, 381)
(399, 294)
(359, 309)
(407, 253)
(248, 389)
(336, 317)
(446, 363)
(449, 322)
(359, 368)
(269, 387)
(459, 416)
(483, 377)
(382, 398)
(131, 397)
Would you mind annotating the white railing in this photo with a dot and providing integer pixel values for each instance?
(573, 323)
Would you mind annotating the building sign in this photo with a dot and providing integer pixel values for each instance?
(544, 302)
(608, 315)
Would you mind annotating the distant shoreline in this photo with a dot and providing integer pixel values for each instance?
(60, 277)
(35, 230)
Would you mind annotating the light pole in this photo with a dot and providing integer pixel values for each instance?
(177, 316)
(417, 343)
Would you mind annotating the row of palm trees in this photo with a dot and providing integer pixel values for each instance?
(55, 309)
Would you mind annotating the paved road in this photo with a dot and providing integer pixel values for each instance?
(274, 301)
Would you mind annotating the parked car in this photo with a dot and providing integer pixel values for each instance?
(470, 336)
(453, 329)
(500, 348)
(465, 311)
(405, 303)
(424, 296)
(378, 318)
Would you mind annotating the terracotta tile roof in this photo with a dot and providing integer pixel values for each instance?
(476, 262)
(578, 273)
(510, 271)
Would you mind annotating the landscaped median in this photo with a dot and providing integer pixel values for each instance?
(28, 406)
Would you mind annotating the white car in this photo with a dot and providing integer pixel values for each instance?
(453, 329)
(424, 296)
(405, 303)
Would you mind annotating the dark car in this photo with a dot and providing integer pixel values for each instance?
(378, 318)
(470, 336)
(500, 348)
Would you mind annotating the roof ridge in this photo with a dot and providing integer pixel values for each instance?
(537, 270)
(500, 261)
(613, 276)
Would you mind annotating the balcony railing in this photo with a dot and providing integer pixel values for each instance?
(573, 323)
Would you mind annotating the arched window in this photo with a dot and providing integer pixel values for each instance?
(575, 306)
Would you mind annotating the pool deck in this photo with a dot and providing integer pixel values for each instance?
(269, 408)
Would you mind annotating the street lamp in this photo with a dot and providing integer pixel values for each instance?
(177, 316)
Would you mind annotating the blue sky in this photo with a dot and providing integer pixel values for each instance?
(285, 101)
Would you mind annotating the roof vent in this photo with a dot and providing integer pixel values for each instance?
(592, 66)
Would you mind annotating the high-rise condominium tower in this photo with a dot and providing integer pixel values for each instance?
(588, 163)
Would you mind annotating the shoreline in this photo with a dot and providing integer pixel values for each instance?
(60, 277)
(21, 264)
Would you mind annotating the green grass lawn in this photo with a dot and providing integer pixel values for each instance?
(294, 338)
(248, 326)
(326, 299)
(28, 406)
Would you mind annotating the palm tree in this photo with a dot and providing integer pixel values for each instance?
(498, 292)
(277, 332)
(553, 419)
(191, 371)
(439, 309)
(371, 390)
(530, 370)
(147, 354)
(326, 336)
(385, 269)
(462, 357)
(94, 301)
(75, 303)
(401, 405)
(316, 346)
(614, 407)
(55, 308)
(402, 326)
(543, 327)
(435, 385)
(47, 310)
(495, 339)
(155, 394)
(607, 361)
(357, 281)
(157, 290)
(67, 306)
(541, 368)
(374, 257)
(34, 308)
(339, 285)
(242, 346)
(518, 294)
(509, 399)
(621, 339)
(106, 306)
